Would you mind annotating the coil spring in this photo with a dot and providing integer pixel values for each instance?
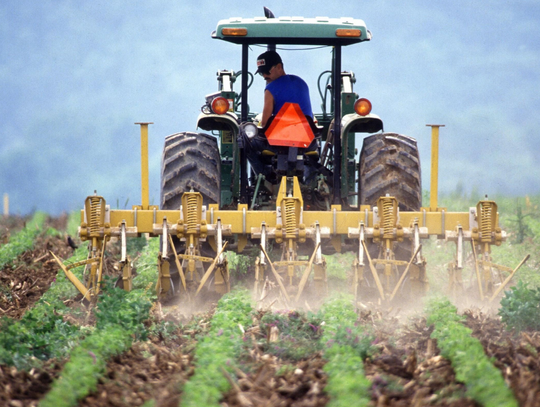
(388, 220)
(191, 213)
(485, 220)
(290, 217)
(95, 214)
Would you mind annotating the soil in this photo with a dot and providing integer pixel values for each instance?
(19, 388)
(516, 356)
(407, 370)
(24, 280)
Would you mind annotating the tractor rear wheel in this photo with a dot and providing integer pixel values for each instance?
(390, 164)
(190, 161)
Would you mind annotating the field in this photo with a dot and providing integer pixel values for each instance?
(129, 350)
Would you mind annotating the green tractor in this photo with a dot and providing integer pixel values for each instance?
(214, 164)
(309, 197)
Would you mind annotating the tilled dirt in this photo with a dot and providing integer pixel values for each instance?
(155, 369)
(407, 369)
(516, 356)
(10, 225)
(19, 388)
(272, 385)
(24, 281)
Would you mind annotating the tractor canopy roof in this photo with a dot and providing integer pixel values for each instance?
(292, 30)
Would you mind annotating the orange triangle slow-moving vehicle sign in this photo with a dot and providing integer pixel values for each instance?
(290, 128)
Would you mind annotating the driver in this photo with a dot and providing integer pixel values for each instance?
(280, 87)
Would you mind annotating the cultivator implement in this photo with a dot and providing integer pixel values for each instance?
(388, 260)
(483, 233)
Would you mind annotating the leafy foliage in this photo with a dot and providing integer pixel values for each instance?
(484, 382)
(87, 363)
(42, 333)
(298, 334)
(520, 308)
(23, 240)
(217, 350)
(127, 310)
(119, 320)
(346, 344)
(238, 263)
(146, 267)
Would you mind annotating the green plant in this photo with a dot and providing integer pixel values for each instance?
(484, 382)
(520, 308)
(146, 277)
(120, 318)
(345, 344)
(238, 263)
(127, 310)
(42, 333)
(218, 350)
(87, 364)
(23, 240)
(337, 265)
(298, 334)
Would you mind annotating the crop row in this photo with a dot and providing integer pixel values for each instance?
(119, 320)
(484, 381)
(346, 346)
(23, 240)
(41, 333)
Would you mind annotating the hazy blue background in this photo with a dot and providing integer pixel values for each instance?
(76, 75)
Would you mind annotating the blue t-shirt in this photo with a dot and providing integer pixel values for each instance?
(290, 88)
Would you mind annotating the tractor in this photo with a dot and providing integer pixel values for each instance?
(314, 197)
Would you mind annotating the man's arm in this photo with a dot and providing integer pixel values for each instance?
(268, 107)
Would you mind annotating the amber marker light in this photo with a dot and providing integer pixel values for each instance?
(348, 32)
(234, 32)
(220, 105)
(362, 107)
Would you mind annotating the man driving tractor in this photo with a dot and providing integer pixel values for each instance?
(281, 89)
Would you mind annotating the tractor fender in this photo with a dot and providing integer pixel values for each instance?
(212, 121)
(354, 123)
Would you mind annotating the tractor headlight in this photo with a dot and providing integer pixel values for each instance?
(250, 130)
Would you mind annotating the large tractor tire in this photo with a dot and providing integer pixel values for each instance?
(390, 164)
(189, 161)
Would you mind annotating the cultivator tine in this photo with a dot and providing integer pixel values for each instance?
(374, 272)
(276, 275)
(210, 269)
(71, 277)
(478, 277)
(306, 273)
(100, 266)
(402, 278)
(260, 261)
(319, 274)
(178, 265)
(501, 287)
(221, 279)
(124, 260)
(163, 285)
